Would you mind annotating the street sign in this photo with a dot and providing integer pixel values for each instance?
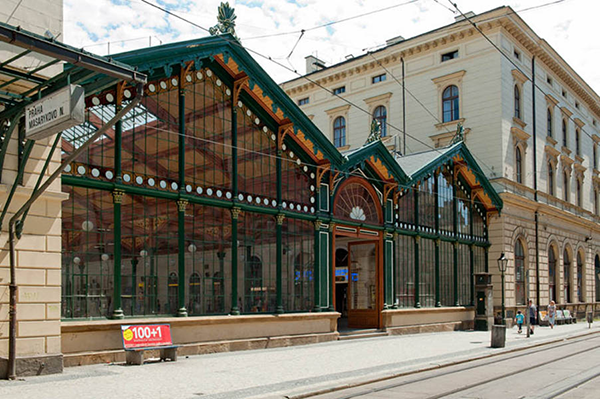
(146, 335)
(55, 113)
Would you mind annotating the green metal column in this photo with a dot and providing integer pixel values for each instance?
(279, 261)
(235, 214)
(438, 301)
(118, 307)
(472, 272)
(118, 145)
(455, 228)
(328, 269)
(388, 275)
(181, 139)
(436, 188)
(317, 267)
(417, 260)
(181, 207)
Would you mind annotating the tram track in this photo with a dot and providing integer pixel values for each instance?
(485, 361)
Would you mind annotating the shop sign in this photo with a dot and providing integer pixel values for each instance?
(146, 335)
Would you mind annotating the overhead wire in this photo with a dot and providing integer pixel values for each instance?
(238, 44)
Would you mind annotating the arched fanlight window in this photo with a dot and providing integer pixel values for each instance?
(450, 104)
(549, 123)
(564, 133)
(339, 131)
(519, 165)
(566, 276)
(552, 274)
(579, 277)
(358, 202)
(380, 114)
(550, 179)
(519, 273)
(517, 102)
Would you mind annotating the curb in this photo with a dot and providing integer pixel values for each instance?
(436, 367)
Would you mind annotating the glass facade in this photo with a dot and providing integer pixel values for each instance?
(199, 202)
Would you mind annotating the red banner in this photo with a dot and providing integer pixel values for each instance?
(147, 335)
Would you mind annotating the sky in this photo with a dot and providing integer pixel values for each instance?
(112, 26)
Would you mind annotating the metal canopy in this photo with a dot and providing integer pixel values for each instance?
(19, 86)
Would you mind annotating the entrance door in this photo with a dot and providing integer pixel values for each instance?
(363, 287)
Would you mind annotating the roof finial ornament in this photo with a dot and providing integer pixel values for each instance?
(459, 136)
(226, 21)
(375, 131)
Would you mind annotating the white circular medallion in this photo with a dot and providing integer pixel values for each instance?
(139, 180)
(188, 188)
(67, 168)
(199, 190)
(188, 78)
(174, 186)
(163, 85)
(95, 101)
(208, 73)
(209, 191)
(174, 82)
(110, 98)
(126, 178)
(219, 193)
(127, 93)
(241, 197)
(284, 205)
(109, 174)
(228, 195)
(151, 182)
(228, 92)
(163, 184)
(81, 170)
(198, 75)
(219, 83)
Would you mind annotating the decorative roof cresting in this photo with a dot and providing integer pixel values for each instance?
(226, 21)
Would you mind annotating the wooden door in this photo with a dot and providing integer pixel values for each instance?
(363, 284)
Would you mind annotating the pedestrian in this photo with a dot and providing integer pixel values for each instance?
(519, 318)
(551, 313)
(532, 316)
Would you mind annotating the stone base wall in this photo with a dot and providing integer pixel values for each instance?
(27, 366)
(413, 321)
(89, 342)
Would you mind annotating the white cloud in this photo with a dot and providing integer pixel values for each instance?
(89, 22)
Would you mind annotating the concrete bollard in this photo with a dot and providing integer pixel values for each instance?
(498, 336)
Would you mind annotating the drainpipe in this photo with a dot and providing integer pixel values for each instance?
(12, 309)
(403, 111)
(535, 189)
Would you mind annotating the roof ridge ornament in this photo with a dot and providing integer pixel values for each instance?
(226, 21)
(375, 131)
(459, 136)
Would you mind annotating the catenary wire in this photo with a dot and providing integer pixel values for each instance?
(236, 43)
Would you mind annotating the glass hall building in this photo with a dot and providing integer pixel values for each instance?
(217, 196)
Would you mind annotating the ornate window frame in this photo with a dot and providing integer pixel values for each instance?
(374, 102)
(442, 82)
(333, 114)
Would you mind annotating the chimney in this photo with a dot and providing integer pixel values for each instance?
(469, 14)
(394, 40)
(313, 64)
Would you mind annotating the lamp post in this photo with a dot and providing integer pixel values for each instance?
(502, 264)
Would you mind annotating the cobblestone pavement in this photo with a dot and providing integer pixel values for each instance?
(280, 372)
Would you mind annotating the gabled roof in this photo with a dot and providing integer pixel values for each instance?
(419, 165)
(161, 59)
(380, 159)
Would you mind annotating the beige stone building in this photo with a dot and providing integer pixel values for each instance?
(453, 75)
(38, 251)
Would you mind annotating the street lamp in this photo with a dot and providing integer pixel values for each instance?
(502, 264)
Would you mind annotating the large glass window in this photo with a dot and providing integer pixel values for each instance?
(450, 104)
(298, 265)
(519, 165)
(380, 115)
(566, 276)
(339, 131)
(87, 256)
(580, 276)
(597, 274)
(551, 183)
(519, 273)
(405, 271)
(552, 274)
(517, 99)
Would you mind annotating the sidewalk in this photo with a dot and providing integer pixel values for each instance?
(275, 373)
